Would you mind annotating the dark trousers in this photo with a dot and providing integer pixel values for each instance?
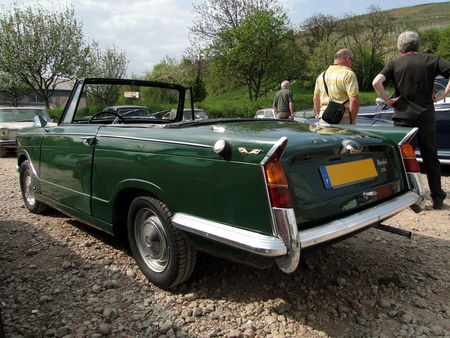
(426, 140)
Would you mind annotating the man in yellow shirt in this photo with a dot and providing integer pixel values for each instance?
(342, 87)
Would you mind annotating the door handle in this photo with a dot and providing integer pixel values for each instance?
(88, 140)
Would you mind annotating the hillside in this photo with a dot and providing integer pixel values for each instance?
(426, 16)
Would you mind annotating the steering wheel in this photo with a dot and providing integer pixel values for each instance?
(118, 116)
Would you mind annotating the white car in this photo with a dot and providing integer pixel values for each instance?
(13, 119)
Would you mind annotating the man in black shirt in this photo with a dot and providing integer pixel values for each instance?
(413, 75)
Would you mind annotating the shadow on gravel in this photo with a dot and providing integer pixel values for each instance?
(371, 283)
(79, 282)
(73, 283)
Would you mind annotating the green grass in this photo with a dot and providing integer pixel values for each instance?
(236, 103)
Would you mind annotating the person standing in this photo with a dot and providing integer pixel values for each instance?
(342, 86)
(413, 75)
(283, 103)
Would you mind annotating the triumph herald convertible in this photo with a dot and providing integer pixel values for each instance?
(255, 191)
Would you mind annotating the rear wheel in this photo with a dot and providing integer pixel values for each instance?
(159, 249)
(27, 188)
(2, 152)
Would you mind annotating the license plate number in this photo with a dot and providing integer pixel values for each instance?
(342, 174)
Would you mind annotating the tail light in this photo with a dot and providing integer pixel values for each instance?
(276, 180)
(409, 158)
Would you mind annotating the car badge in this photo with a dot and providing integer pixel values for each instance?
(351, 146)
(244, 151)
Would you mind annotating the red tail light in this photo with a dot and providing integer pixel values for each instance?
(409, 158)
(277, 183)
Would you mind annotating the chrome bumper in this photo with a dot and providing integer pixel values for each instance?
(8, 143)
(287, 249)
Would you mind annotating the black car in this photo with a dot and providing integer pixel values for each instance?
(381, 115)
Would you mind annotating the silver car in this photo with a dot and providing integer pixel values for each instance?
(13, 119)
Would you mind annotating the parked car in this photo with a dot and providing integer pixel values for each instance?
(381, 115)
(13, 119)
(188, 114)
(266, 113)
(254, 191)
(269, 113)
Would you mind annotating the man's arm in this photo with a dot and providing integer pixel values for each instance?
(291, 109)
(377, 84)
(354, 108)
(316, 100)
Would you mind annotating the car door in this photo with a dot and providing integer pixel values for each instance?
(66, 164)
(443, 129)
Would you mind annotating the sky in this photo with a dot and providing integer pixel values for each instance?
(150, 30)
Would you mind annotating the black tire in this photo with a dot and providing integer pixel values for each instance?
(159, 249)
(3, 152)
(27, 189)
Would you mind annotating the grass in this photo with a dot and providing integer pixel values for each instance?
(236, 103)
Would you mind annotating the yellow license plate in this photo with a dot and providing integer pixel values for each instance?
(341, 174)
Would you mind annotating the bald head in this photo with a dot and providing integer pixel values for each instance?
(344, 57)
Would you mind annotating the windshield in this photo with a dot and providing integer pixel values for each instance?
(100, 103)
(21, 114)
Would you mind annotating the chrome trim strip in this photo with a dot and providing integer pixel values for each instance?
(441, 160)
(409, 136)
(272, 150)
(250, 241)
(347, 225)
(8, 142)
(157, 140)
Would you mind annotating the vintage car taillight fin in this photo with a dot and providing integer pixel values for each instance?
(275, 175)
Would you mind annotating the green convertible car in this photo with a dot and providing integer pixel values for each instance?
(256, 191)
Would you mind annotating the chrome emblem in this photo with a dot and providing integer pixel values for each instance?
(369, 194)
(351, 146)
(244, 151)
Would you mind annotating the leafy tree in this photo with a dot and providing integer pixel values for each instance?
(367, 36)
(444, 43)
(13, 88)
(41, 48)
(320, 58)
(318, 28)
(429, 40)
(111, 63)
(215, 15)
(255, 51)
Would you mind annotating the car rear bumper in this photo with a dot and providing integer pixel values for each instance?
(274, 246)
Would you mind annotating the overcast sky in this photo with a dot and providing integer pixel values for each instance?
(149, 30)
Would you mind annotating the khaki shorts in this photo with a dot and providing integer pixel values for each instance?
(283, 114)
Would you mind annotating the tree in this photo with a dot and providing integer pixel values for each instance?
(41, 48)
(318, 28)
(367, 36)
(111, 63)
(255, 51)
(444, 44)
(429, 40)
(215, 15)
(13, 88)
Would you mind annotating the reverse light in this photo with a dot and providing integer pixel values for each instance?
(276, 180)
(409, 158)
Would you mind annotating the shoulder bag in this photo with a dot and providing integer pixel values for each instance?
(334, 111)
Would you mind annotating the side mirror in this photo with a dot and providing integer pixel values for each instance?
(39, 121)
(379, 101)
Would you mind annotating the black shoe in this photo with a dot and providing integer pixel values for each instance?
(438, 204)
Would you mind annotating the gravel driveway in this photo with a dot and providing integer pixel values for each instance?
(61, 278)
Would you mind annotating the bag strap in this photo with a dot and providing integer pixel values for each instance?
(326, 88)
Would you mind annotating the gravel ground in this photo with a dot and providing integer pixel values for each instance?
(61, 278)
